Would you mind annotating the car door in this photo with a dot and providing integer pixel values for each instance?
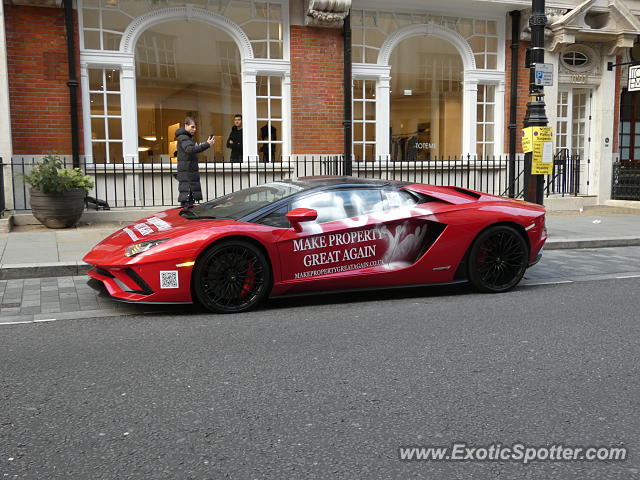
(358, 232)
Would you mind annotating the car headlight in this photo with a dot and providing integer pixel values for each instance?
(137, 248)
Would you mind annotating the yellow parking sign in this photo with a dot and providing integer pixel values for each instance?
(539, 141)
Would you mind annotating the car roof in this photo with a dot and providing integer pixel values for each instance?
(340, 180)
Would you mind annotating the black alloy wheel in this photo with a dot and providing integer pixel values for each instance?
(498, 259)
(231, 277)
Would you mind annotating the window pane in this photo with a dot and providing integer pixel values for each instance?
(357, 110)
(275, 50)
(113, 80)
(115, 152)
(97, 103)
(371, 110)
(97, 128)
(91, 18)
(92, 40)
(113, 104)
(275, 85)
(115, 128)
(99, 152)
(95, 79)
(262, 108)
(276, 108)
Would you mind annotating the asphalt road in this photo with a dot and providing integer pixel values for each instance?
(329, 387)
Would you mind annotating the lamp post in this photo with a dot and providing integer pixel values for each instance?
(536, 115)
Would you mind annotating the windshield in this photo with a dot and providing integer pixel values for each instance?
(239, 204)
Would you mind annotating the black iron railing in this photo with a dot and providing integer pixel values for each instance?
(155, 185)
(565, 179)
(625, 183)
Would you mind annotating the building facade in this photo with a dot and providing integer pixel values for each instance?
(431, 81)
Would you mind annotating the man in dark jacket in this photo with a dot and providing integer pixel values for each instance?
(189, 189)
(234, 142)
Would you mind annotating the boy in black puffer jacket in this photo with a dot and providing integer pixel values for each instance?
(188, 172)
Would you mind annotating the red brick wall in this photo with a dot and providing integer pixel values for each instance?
(317, 106)
(523, 94)
(38, 74)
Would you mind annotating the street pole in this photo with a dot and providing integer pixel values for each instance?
(536, 115)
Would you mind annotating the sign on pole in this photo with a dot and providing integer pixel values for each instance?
(544, 74)
(634, 78)
(539, 141)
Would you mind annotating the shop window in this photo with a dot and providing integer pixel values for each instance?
(269, 118)
(485, 120)
(174, 79)
(105, 115)
(364, 119)
(426, 100)
(104, 22)
(371, 29)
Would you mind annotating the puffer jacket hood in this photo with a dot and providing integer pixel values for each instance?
(182, 131)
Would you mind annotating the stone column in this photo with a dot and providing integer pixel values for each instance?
(383, 116)
(129, 113)
(249, 127)
(469, 107)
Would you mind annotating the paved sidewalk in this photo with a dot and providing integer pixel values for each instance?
(34, 251)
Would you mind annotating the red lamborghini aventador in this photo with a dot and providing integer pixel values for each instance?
(319, 234)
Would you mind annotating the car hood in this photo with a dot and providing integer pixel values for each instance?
(183, 234)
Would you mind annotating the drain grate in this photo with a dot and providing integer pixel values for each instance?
(9, 305)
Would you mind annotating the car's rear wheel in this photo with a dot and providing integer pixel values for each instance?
(498, 259)
(231, 277)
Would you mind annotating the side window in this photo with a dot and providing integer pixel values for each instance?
(329, 206)
(276, 218)
(397, 199)
(339, 204)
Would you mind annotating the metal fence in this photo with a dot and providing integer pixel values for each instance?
(155, 184)
(625, 180)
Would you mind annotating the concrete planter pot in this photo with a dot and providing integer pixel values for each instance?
(58, 210)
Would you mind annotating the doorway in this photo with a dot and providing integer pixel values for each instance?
(573, 137)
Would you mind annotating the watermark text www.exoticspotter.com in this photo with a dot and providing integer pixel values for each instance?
(517, 452)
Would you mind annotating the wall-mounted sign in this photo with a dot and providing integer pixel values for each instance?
(634, 78)
(544, 74)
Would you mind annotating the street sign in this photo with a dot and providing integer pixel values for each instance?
(544, 74)
(634, 78)
(539, 141)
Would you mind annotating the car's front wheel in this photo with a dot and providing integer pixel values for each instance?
(231, 277)
(498, 259)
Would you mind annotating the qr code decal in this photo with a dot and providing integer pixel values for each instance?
(169, 279)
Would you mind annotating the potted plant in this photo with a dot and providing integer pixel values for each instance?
(57, 193)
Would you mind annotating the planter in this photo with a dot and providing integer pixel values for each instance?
(58, 210)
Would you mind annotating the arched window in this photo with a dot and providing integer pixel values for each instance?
(426, 100)
(185, 68)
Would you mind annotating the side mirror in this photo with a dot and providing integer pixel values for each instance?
(299, 215)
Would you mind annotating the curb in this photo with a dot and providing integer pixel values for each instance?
(69, 269)
(567, 244)
(53, 269)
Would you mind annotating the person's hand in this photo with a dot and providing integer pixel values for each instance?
(211, 140)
